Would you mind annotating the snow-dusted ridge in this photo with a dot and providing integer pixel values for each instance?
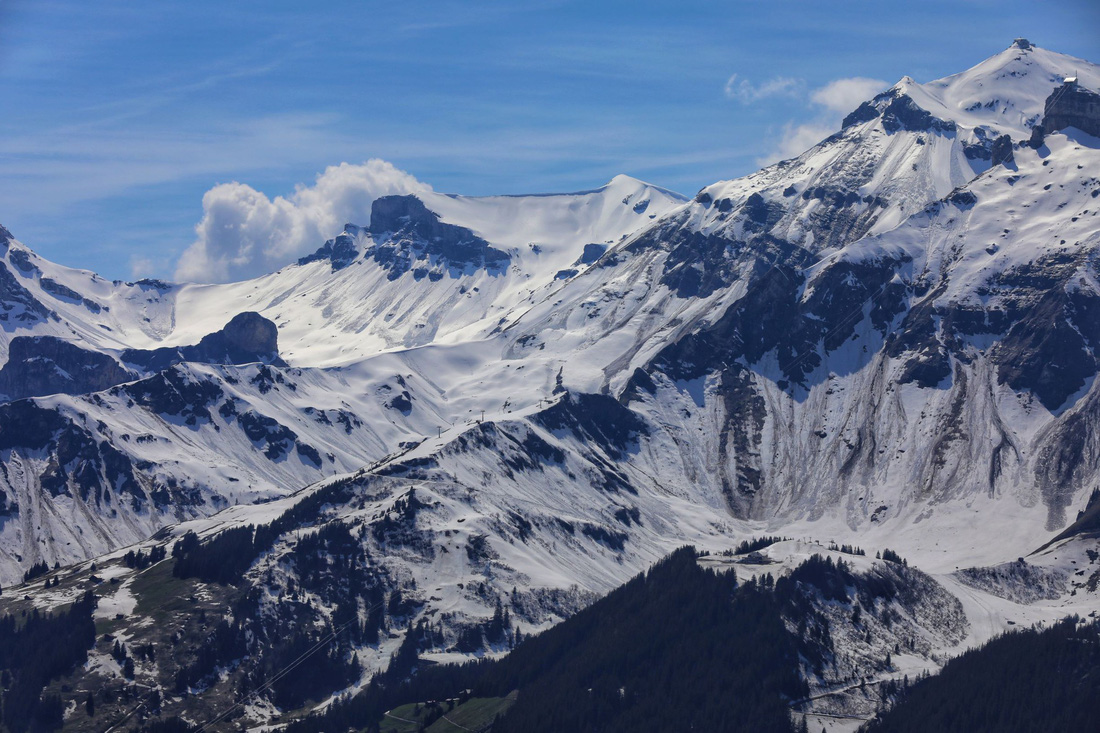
(602, 283)
(360, 307)
(890, 341)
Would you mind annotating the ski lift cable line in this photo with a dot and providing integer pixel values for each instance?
(282, 673)
(287, 669)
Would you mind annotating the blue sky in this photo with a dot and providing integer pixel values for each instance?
(117, 117)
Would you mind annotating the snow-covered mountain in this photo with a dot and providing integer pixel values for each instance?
(890, 340)
(424, 270)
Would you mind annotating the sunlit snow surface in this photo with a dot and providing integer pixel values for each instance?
(482, 353)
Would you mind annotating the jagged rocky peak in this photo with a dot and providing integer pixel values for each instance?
(899, 111)
(340, 251)
(407, 231)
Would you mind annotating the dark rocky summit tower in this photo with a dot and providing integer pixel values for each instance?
(1070, 105)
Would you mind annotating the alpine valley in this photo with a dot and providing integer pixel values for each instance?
(860, 383)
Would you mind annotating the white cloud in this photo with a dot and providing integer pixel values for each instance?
(141, 267)
(796, 139)
(831, 103)
(844, 95)
(745, 92)
(244, 234)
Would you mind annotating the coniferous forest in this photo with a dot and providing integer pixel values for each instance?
(678, 648)
(35, 649)
(1031, 680)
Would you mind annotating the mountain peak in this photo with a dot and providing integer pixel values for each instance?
(1005, 92)
(624, 179)
(630, 184)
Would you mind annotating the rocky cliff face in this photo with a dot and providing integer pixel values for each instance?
(1072, 105)
(340, 251)
(952, 356)
(410, 237)
(43, 365)
(18, 307)
(247, 338)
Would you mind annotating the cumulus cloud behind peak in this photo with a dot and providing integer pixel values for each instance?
(830, 102)
(244, 234)
(844, 95)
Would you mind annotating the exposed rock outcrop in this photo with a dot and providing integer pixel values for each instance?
(1071, 105)
(412, 237)
(42, 365)
(18, 308)
(247, 338)
(340, 251)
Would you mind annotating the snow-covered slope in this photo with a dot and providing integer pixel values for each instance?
(336, 308)
(890, 340)
(912, 144)
(401, 282)
(1005, 93)
(891, 332)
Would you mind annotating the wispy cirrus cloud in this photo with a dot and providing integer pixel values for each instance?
(746, 92)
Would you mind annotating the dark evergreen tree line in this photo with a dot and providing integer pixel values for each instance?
(35, 650)
(37, 570)
(847, 549)
(678, 648)
(141, 559)
(891, 556)
(755, 544)
(226, 557)
(1031, 680)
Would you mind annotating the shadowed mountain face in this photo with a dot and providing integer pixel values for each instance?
(45, 365)
(410, 237)
(247, 338)
(18, 308)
